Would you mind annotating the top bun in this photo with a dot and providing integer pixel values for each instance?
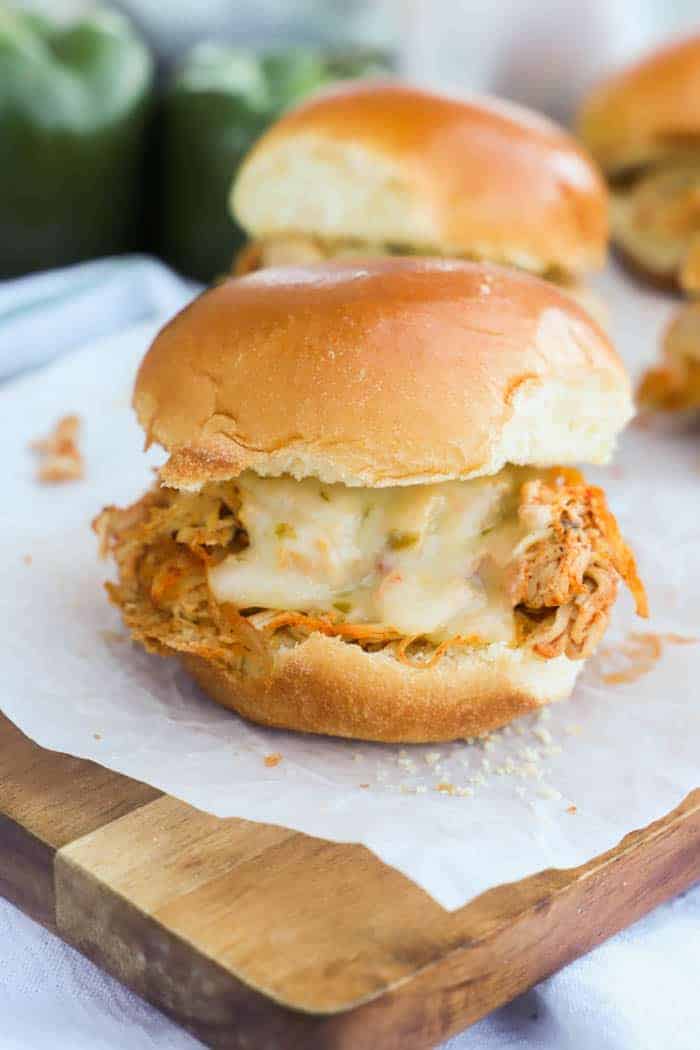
(392, 372)
(647, 111)
(384, 163)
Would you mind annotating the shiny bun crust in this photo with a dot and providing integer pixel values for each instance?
(649, 110)
(323, 685)
(392, 372)
(387, 163)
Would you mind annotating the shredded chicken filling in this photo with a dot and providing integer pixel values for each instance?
(526, 558)
(674, 384)
(656, 219)
(302, 250)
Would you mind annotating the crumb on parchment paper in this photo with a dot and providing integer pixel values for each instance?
(60, 458)
(110, 636)
(272, 760)
(27, 559)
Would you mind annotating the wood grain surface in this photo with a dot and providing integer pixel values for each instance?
(257, 937)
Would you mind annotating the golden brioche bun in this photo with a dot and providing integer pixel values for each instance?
(391, 372)
(648, 111)
(387, 163)
(323, 685)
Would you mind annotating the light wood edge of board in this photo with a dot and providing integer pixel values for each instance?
(48, 799)
(433, 972)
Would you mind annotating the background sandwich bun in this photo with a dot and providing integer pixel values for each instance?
(388, 164)
(643, 127)
(647, 112)
(393, 372)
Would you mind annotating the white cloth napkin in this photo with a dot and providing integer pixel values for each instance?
(637, 992)
(44, 315)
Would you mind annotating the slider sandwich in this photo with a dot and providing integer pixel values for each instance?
(376, 169)
(643, 127)
(369, 523)
(674, 384)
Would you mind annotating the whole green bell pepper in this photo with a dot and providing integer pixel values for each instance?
(218, 103)
(73, 109)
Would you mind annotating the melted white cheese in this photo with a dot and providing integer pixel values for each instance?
(423, 559)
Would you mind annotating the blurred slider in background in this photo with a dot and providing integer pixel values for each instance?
(642, 124)
(385, 168)
(643, 127)
(101, 155)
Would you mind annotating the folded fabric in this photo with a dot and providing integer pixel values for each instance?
(48, 314)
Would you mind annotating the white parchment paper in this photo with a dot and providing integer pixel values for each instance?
(552, 790)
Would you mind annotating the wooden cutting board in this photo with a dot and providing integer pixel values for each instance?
(259, 938)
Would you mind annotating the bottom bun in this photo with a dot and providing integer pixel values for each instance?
(325, 685)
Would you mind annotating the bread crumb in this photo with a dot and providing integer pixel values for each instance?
(445, 787)
(406, 762)
(27, 559)
(432, 757)
(60, 457)
(364, 785)
(273, 759)
(529, 754)
(542, 734)
(97, 736)
(571, 809)
(506, 769)
(110, 636)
